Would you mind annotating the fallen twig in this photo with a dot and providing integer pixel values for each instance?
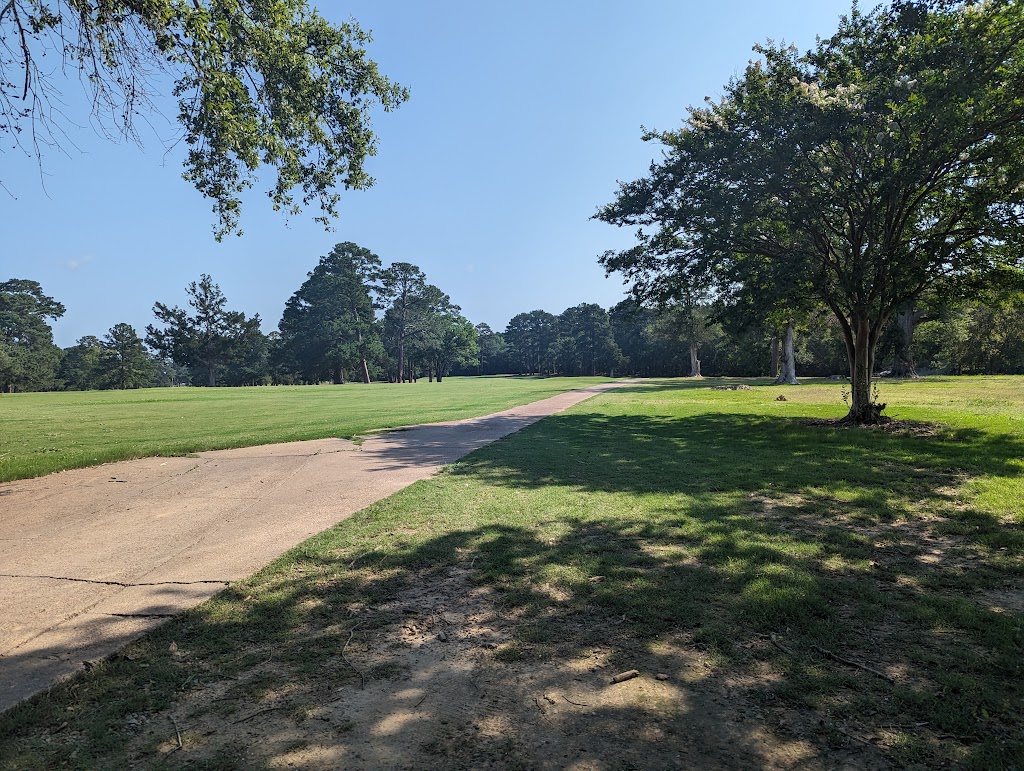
(539, 707)
(359, 557)
(853, 663)
(177, 732)
(574, 702)
(624, 676)
(781, 647)
(421, 701)
(353, 667)
(898, 727)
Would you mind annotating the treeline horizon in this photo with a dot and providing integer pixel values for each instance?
(354, 319)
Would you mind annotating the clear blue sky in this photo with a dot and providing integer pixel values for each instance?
(522, 117)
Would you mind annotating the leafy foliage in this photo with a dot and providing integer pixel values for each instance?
(413, 311)
(125, 360)
(208, 339)
(28, 357)
(328, 325)
(531, 338)
(259, 83)
(449, 340)
(881, 164)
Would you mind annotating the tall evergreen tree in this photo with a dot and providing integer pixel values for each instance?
(80, 366)
(125, 362)
(329, 325)
(531, 339)
(28, 357)
(206, 339)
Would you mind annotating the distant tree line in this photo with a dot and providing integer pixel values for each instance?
(354, 319)
(979, 336)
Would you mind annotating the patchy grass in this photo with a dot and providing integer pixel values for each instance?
(833, 593)
(46, 432)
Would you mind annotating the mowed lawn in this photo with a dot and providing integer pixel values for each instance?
(813, 596)
(45, 432)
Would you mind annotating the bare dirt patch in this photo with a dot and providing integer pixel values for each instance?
(437, 678)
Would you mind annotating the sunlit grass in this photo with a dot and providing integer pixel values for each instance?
(45, 432)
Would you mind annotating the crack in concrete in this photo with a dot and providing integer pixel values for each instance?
(142, 615)
(117, 583)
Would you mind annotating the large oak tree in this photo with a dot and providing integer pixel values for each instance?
(884, 162)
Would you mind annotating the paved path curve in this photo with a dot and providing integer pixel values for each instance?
(92, 558)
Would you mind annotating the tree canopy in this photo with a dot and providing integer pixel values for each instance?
(28, 357)
(884, 162)
(259, 83)
(125, 361)
(329, 324)
(208, 338)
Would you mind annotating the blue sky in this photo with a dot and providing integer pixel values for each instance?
(521, 119)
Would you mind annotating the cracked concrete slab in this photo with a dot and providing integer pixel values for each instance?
(92, 558)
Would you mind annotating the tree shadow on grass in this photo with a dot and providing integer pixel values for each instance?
(811, 594)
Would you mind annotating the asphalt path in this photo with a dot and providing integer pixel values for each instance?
(95, 557)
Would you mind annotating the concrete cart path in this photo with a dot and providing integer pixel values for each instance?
(92, 558)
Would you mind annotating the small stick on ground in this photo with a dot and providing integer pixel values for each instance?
(351, 633)
(574, 702)
(421, 701)
(853, 663)
(359, 557)
(177, 732)
(782, 647)
(624, 676)
(539, 707)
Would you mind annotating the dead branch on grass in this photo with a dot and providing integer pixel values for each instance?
(781, 647)
(852, 663)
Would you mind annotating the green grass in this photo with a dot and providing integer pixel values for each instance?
(661, 515)
(45, 432)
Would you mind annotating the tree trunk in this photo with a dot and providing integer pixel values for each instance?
(694, 362)
(860, 349)
(364, 369)
(337, 376)
(211, 375)
(774, 372)
(787, 376)
(907, 320)
(430, 374)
